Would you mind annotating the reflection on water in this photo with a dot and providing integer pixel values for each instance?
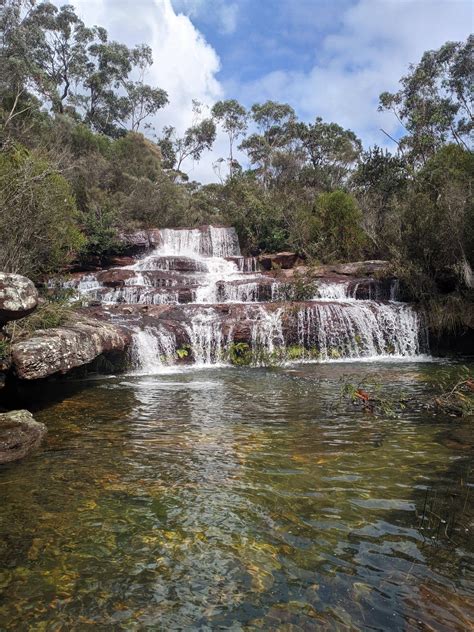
(242, 500)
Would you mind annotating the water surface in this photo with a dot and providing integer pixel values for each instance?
(239, 499)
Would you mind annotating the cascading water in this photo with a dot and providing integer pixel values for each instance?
(153, 348)
(359, 329)
(230, 303)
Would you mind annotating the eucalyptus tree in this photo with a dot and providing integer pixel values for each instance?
(233, 118)
(49, 52)
(434, 103)
(275, 123)
(197, 138)
(331, 151)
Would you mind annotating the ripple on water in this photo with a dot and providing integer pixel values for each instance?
(238, 499)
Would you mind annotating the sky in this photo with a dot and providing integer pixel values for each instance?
(328, 58)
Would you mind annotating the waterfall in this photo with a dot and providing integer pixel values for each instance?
(333, 291)
(267, 331)
(203, 268)
(153, 348)
(206, 338)
(209, 242)
(359, 329)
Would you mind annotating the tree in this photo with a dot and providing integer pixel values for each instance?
(58, 42)
(233, 118)
(276, 130)
(380, 183)
(434, 104)
(199, 137)
(331, 150)
(15, 63)
(50, 51)
(438, 220)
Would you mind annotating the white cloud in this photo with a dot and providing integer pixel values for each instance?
(373, 43)
(185, 65)
(222, 13)
(372, 49)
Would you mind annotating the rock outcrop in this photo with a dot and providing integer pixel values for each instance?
(20, 434)
(18, 297)
(60, 349)
(279, 260)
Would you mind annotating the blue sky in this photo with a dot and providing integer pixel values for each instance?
(326, 58)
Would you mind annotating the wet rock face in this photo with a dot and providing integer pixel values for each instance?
(20, 435)
(18, 297)
(280, 260)
(61, 349)
(114, 277)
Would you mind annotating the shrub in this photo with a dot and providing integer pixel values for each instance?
(38, 216)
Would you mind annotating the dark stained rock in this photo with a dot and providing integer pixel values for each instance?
(115, 277)
(179, 264)
(61, 349)
(121, 261)
(135, 241)
(361, 268)
(280, 260)
(18, 297)
(20, 435)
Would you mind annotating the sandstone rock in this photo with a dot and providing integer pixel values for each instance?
(61, 349)
(18, 297)
(135, 242)
(121, 261)
(115, 277)
(360, 268)
(283, 260)
(20, 434)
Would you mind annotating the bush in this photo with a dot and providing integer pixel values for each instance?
(338, 222)
(38, 215)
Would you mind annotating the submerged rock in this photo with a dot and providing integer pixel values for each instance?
(20, 434)
(18, 297)
(61, 349)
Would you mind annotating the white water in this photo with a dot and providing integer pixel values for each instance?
(153, 349)
(208, 266)
(333, 291)
(360, 329)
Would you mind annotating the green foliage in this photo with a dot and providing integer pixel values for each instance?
(337, 222)
(38, 217)
(438, 221)
(301, 288)
(183, 352)
(47, 315)
(434, 102)
(4, 349)
(295, 352)
(239, 354)
(331, 151)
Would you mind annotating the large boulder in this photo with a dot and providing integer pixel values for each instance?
(279, 260)
(60, 349)
(18, 297)
(20, 434)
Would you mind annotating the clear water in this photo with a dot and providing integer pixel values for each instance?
(235, 499)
